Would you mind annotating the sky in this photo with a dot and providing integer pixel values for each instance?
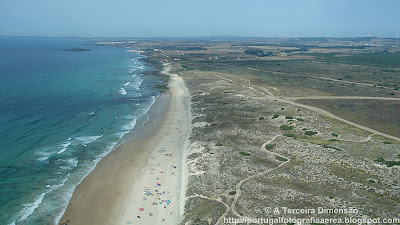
(186, 18)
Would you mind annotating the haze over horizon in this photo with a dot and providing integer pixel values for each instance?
(179, 18)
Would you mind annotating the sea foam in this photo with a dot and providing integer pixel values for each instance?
(85, 140)
(122, 91)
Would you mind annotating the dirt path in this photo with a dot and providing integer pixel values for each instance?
(290, 100)
(343, 97)
(326, 113)
(311, 77)
(238, 186)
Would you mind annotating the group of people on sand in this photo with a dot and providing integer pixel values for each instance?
(158, 197)
(157, 194)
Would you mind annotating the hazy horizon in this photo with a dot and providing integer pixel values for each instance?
(178, 18)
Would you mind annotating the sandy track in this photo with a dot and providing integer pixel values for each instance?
(238, 186)
(289, 100)
(343, 97)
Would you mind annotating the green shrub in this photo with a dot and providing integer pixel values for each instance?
(275, 116)
(335, 135)
(256, 52)
(300, 119)
(281, 158)
(387, 142)
(261, 118)
(166, 78)
(327, 146)
(269, 146)
(232, 193)
(289, 135)
(388, 163)
(218, 144)
(289, 117)
(371, 181)
(244, 154)
(282, 108)
(286, 127)
(310, 133)
(333, 139)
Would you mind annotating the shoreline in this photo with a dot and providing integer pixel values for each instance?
(110, 193)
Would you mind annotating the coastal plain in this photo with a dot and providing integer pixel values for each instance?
(270, 123)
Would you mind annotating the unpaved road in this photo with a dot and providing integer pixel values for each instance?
(291, 100)
(343, 97)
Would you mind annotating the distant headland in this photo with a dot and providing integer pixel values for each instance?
(77, 50)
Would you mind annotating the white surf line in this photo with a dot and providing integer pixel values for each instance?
(238, 190)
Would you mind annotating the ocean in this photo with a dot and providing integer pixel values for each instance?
(60, 113)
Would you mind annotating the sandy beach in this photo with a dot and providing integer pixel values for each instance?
(140, 181)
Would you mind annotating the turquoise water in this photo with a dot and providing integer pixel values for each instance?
(60, 113)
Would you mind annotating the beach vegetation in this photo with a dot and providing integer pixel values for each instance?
(371, 181)
(269, 146)
(334, 140)
(310, 133)
(163, 87)
(332, 147)
(166, 78)
(185, 67)
(286, 127)
(281, 158)
(388, 163)
(244, 154)
(289, 135)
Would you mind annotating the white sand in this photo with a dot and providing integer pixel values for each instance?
(158, 189)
